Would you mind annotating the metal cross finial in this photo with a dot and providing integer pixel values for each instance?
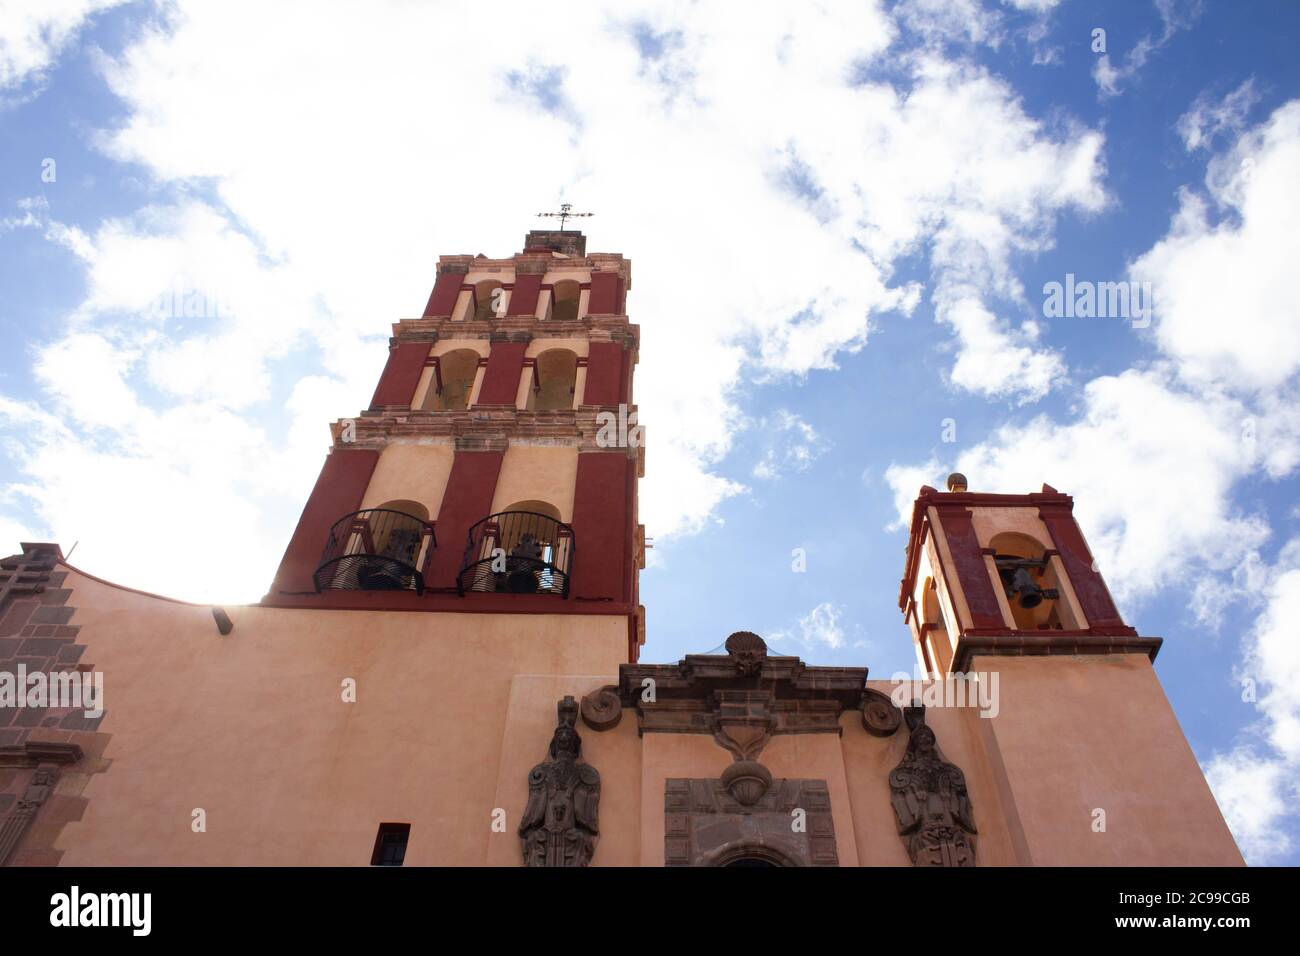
(566, 212)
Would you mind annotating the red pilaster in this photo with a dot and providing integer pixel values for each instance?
(501, 379)
(606, 374)
(602, 526)
(442, 301)
(401, 374)
(339, 489)
(523, 298)
(1089, 586)
(606, 296)
(971, 569)
(467, 499)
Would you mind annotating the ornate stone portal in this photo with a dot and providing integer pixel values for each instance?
(559, 826)
(742, 699)
(933, 811)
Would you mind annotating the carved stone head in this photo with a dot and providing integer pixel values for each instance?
(922, 743)
(565, 740)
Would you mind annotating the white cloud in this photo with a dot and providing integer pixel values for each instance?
(1256, 783)
(33, 34)
(1175, 15)
(1210, 117)
(906, 481)
(951, 20)
(1223, 277)
(792, 445)
(1221, 406)
(332, 184)
(1034, 6)
(822, 627)
(1151, 466)
(1253, 794)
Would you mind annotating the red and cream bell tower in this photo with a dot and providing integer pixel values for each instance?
(1005, 575)
(496, 468)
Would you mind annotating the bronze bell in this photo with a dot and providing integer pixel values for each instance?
(1027, 592)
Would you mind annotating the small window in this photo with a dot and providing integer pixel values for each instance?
(390, 844)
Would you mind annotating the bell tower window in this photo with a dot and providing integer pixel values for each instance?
(453, 382)
(555, 382)
(483, 293)
(565, 297)
(1030, 583)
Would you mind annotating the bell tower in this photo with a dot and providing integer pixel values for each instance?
(1074, 730)
(495, 470)
(1005, 574)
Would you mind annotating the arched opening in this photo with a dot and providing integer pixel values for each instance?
(378, 549)
(394, 537)
(564, 300)
(522, 549)
(749, 854)
(457, 370)
(1030, 582)
(556, 381)
(483, 291)
(936, 646)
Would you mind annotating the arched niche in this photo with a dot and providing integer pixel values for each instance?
(557, 379)
(395, 537)
(457, 369)
(483, 299)
(749, 855)
(1053, 613)
(565, 296)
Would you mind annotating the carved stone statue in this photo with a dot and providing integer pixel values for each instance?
(559, 824)
(929, 797)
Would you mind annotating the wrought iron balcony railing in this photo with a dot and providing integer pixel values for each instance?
(376, 550)
(518, 552)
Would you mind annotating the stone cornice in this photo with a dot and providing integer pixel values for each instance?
(603, 328)
(490, 423)
(742, 698)
(530, 262)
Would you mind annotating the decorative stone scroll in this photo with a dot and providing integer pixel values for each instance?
(879, 715)
(559, 826)
(601, 709)
(934, 814)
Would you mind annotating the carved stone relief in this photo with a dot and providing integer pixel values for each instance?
(559, 826)
(709, 823)
(933, 811)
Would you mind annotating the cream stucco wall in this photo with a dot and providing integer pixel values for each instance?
(252, 727)
(453, 709)
(414, 472)
(538, 472)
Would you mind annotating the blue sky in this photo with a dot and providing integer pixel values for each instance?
(841, 222)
